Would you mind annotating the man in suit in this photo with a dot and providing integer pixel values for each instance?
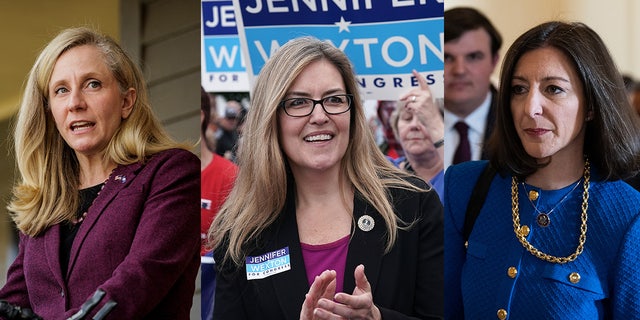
(471, 52)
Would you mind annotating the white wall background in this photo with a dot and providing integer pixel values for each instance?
(615, 21)
(164, 35)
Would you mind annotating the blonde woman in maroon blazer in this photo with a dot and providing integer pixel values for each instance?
(107, 202)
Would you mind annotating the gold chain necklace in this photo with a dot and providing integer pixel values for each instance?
(521, 234)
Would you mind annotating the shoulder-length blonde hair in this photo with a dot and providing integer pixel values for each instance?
(260, 189)
(47, 191)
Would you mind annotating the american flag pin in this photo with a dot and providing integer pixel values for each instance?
(121, 178)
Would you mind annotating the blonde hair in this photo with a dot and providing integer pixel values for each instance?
(393, 120)
(47, 192)
(260, 189)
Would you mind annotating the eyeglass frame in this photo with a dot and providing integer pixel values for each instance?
(321, 102)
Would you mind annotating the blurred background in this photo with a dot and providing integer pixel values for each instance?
(163, 35)
(616, 22)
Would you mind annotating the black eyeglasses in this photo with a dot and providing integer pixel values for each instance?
(302, 107)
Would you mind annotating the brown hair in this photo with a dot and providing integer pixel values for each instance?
(612, 139)
(457, 21)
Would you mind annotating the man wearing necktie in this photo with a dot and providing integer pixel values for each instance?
(471, 54)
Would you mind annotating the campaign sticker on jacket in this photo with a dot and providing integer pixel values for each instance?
(268, 264)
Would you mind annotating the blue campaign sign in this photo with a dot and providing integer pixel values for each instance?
(218, 18)
(385, 40)
(317, 12)
(223, 66)
(223, 54)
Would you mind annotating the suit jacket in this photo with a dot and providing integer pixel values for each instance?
(139, 243)
(490, 122)
(407, 282)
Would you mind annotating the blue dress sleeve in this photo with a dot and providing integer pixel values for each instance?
(459, 181)
(626, 292)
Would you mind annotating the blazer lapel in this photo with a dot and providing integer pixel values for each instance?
(52, 252)
(119, 179)
(290, 286)
(366, 247)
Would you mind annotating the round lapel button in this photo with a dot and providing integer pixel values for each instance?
(366, 223)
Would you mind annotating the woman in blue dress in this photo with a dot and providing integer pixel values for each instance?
(558, 234)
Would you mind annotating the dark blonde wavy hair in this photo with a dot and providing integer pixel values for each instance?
(260, 189)
(47, 190)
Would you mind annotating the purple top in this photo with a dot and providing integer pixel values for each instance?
(328, 256)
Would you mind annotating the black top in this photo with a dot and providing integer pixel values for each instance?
(69, 230)
(407, 282)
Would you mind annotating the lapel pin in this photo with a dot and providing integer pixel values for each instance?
(366, 223)
(121, 178)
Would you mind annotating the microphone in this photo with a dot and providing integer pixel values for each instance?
(13, 312)
(88, 305)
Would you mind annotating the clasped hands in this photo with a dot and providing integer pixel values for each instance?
(321, 302)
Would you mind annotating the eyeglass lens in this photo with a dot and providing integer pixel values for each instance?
(299, 107)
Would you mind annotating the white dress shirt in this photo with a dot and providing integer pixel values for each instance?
(477, 122)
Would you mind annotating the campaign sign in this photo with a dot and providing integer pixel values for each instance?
(385, 40)
(223, 66)
(268, 264)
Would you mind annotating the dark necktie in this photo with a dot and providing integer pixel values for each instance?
(463, 152)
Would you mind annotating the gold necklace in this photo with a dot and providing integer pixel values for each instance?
(522, 231)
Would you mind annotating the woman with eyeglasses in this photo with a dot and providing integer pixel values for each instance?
(320, 225)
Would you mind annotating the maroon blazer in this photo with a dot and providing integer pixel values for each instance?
(139, 243)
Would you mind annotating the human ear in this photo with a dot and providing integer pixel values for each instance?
(128, 101)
